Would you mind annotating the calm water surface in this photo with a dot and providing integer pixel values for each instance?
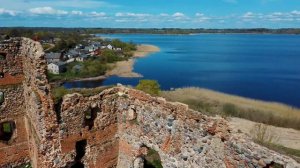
(265, 67)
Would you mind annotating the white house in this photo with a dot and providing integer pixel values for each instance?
(118, 49)
(109, 47)
(56, 68)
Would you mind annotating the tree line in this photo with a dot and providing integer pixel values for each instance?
(46, 33)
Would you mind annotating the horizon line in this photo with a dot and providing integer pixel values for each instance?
(145, 28)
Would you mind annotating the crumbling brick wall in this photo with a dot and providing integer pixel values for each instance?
(100, 130)
(12, 62)
(27, 103)
(40, 112)
(182, 137)
(13, 151)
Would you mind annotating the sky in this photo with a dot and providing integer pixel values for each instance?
(151, 13)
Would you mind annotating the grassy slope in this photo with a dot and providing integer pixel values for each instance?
(211, 103)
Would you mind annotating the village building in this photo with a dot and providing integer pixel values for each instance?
(56, 68)
(53, 57)
(73, 53)
(82, 58)
(110, 47)
(96, 44)
(79, 46)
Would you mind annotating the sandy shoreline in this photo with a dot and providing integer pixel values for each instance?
(125, 68)
(144, 50)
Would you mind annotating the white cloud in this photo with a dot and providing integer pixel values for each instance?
(120, 14)
(97, 14)
(78, 4)
(200, 17)
(274, 17)
(295, 12)
(277, 14)
(133, 17)
(248, 15)
(164, 14)
(130, 20)
(8, 12)
(178, 14)
(74, 12)
(47, 11)
(199, 14)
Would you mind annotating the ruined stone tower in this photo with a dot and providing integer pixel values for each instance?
(110, 129)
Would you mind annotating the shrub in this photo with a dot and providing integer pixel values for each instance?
(262, 133)
(152, 159)
(59, 92)
(109, 56)
(149, 86)
(26, 165)
(200, 106)
(230, 109)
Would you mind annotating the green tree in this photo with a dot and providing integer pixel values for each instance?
(149, 86)
(109, 56)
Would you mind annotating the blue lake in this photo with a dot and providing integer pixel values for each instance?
(265, 67)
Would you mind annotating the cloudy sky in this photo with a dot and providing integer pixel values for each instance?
(151, 13)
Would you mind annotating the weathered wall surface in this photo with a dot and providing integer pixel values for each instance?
(100, 131)
(112, 129)
(28, 104)
(12, 64)
(182, 137)
(13, 151)
(40, 112)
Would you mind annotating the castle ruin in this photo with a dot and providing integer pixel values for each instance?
(114, 128)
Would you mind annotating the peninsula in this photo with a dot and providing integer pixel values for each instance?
(125, 68)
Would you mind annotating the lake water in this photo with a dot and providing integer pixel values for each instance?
(265, 67)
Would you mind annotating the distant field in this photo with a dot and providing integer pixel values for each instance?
(215, 103)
